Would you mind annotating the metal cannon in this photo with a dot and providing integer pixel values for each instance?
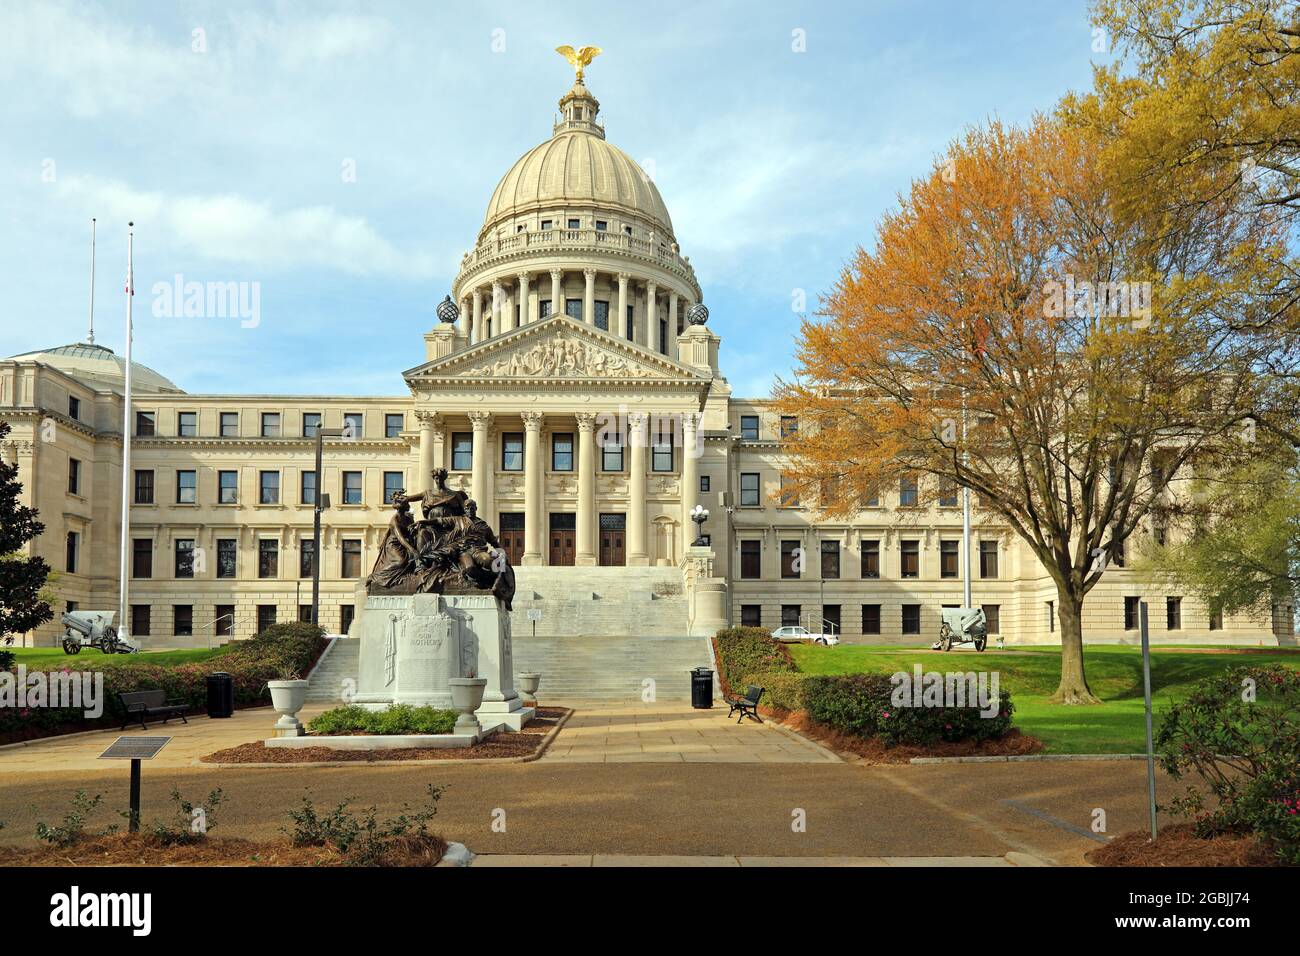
(92, 629)
(963, 625)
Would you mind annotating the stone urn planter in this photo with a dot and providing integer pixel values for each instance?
(528, 684)
(467, 697)
(288, 697)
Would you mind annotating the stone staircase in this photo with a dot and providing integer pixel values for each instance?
(340, 663)
(600, 602)
(612, 667)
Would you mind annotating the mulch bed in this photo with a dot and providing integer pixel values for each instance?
(871, 750)
(502, 744)
(122, 849)
(1178, 845)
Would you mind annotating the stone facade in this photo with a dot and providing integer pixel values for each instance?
(572, 400)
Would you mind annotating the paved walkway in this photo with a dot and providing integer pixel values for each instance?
(674, 733)
(597, 859)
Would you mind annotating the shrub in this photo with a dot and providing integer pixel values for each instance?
(73, 827)
(363, 839)
(748, 650)
(397, 719)
(189, 826)
(1239, 732)
(783, 689)
(8, 659)
(851, 704)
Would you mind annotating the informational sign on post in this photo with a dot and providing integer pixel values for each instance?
(134, 749)
(534, 615)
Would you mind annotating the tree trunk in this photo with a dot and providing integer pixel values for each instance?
(1073, 688)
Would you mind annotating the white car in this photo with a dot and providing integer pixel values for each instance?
(796, 633)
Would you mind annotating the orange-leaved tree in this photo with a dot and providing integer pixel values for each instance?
(1012, 334)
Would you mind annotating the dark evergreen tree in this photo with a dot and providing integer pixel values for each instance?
(21, 576)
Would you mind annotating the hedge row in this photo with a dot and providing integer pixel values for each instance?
(279, 650)
(858, 704)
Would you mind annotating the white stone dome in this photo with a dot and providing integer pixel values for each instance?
(101, 367)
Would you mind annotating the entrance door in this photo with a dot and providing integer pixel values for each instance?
(563, 540)
(512, 537)
(612, 533)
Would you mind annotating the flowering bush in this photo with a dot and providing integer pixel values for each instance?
(1239, 732)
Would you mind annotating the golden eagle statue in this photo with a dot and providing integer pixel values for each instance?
(580, 59)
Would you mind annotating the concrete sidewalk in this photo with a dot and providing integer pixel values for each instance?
(615, 860)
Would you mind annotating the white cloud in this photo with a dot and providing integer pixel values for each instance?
(231, 228)
(301, 42)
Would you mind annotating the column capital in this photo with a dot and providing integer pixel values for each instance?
(428, 419)
(586, 421)
(557, 275)
(589, 273)
(533, 420)
(480, 420)
(523, 276)
(624, 278)
(636, 421)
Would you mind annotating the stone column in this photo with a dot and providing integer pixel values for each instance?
(586, 520)
(523, 298)
(589, 297)
(672, 316)
(423, 479)
(621, 328)
(462, 323)
(690, 477)
(508, 316)
(476, 330)
(557, 291)
(497, 297)
(481, 462)
(651, 316)
(534, 534)
(636, 523)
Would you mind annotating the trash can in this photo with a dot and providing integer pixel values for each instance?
(221, 695)
(701, 688)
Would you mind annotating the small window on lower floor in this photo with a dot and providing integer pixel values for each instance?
(224, 623)
(993, 617)
(347, 612)
(265, 616)
(789, 615)
(751, 615)
(871, 619)
(911, 619)
(1216, 620)
(182, 620)
(140, 614)
(1174, 613)
(1131, 611)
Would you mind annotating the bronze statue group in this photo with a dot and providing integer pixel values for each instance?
(447, 549)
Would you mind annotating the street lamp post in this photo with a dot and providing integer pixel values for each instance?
(699, 514)
(321, 503)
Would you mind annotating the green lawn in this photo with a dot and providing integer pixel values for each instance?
(92, 659)
(1031, 675)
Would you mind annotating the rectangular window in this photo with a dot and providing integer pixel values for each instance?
(227, 487)
(310, 424)
(790, 614)
(791, 559)
(831, 619)
(546, 223)
(70, 555)
(993, 617)
(265, 617)
(870, 555)
(229, 425)
(1132, 612)
(947, 559)
(268, 484)
(789, 496)
(1216, 620)
(304, 613)
(352, 487)
(630, 332)
(907, 492)
(270, 425)
(575, 224)
(751, 615)
(227, 557)
(187, 487)
(661, 455)
(347, 613)
(871, 619)
(988, 559)
(830, 559)
(224, 624)
(393, 424)
(909, 553)
(141, 557)
(947, 495)
(663, 336)
(1174, 613)
(789, 426)
(749, 427)
(187, 424)
(573, 308)
(462, 451)
(601, 225)
(512, 451)
(749, 489)
(562, 451)
(1051, 617)
(268, 558)
(351, 557)
(611, 455)
(704, 483)
(602, 315)
(307, 488)
(74, 407)
(182, 619)
(353, 425)
(306, 557)
(74, 476)
(140, 620)
(911, 619)
(144, 487)
(751, 559)
(392, 485)
(184, 558)
(543, 308)
(144, 424)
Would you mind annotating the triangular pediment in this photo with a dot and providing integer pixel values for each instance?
(555, 349)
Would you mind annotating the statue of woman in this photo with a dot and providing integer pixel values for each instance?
(396, 560)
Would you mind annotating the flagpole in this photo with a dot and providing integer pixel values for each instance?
(91, 337)
(123, 622)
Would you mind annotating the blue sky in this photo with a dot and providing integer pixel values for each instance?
(775, 164)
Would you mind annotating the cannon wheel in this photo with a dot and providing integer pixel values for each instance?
(70, 646)
(945, 637)
(981, 642)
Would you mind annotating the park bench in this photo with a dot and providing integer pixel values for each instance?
(145, 705)
(747, 705)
